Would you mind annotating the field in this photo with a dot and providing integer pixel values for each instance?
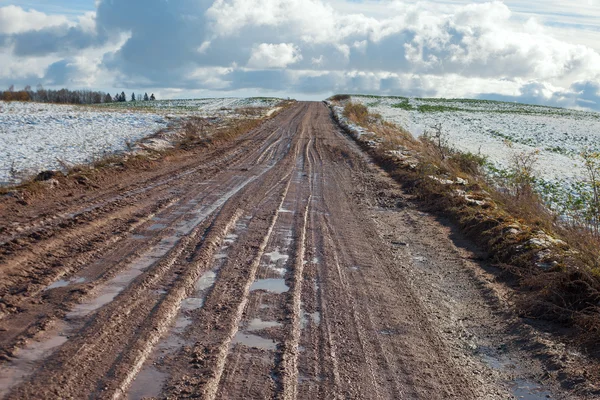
(35, 137)
(485, 127)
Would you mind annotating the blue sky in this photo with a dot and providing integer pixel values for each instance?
(65, 7)
(537, 51)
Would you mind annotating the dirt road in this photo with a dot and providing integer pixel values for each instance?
(281, 265)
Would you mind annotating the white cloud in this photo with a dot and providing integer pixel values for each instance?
(448, 48)
(14, 19)
(267, 55)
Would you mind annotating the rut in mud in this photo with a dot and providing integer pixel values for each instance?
(260, 271)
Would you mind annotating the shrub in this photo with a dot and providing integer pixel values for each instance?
(356, 112)
(340, 97)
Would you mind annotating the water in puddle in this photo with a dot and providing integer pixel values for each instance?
(65, 282)
(274, 285)
(156, 227)
(206, 280)
(24, 363)
(276, 256)
(181, 323)
(192, 303)
(255, 341)
(520, 388)
(116, 285)
(258, 324)
(283, 210)
(139, 237)
(148, 383)
(230, 238)
(305, 318)
(279, 271)
(523, 389)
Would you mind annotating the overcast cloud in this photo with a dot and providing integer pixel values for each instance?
(535, 51)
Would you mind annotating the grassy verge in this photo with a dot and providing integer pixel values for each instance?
(555, 267)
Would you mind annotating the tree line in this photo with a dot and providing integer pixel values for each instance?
(66, 96)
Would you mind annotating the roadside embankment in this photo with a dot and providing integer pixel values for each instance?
(554, 268)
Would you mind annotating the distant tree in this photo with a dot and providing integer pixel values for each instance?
(122, 98)
(132, 96)
(107, 98)
(146, 98)
(152, 97)
(11, 88)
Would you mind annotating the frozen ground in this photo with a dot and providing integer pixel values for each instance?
(484, 126)
(200, 107)
(35, 137)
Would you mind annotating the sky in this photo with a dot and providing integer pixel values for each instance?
(533, 51)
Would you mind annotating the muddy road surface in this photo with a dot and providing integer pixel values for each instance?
(282, 265)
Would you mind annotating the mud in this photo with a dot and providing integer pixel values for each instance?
(264, 268)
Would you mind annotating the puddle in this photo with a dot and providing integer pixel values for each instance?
(305, 318)
(420, 259)
(280, 271)
(230, 238)
(139, 237)
(148, 383)
(283, 210)
(255, 341)
(205, 281)
(270, 285)
(156, 227)
(354, 268)
(14, 371)
(181, 323)
(192, 303)
(520, 388)
(494, 362)
(65, 282)
(276, 256)
(523, 389)
(258, 324)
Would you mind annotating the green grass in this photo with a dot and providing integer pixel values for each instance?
(404, 105)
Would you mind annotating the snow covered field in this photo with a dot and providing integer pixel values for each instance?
(200, 107)
(34, 136)
(484, 126)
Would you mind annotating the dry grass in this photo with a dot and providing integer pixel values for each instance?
(555, 266)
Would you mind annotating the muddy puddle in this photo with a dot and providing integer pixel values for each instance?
(274, 285)
(149, 381)
(149, 385)
(26, 358)
(258, 324)
(308, 318)
(519, 388)
(65, 282)
(276, 256)
(254, 341)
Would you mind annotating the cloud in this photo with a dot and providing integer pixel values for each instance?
(436, 48)
(267, 55)
(14, 19)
